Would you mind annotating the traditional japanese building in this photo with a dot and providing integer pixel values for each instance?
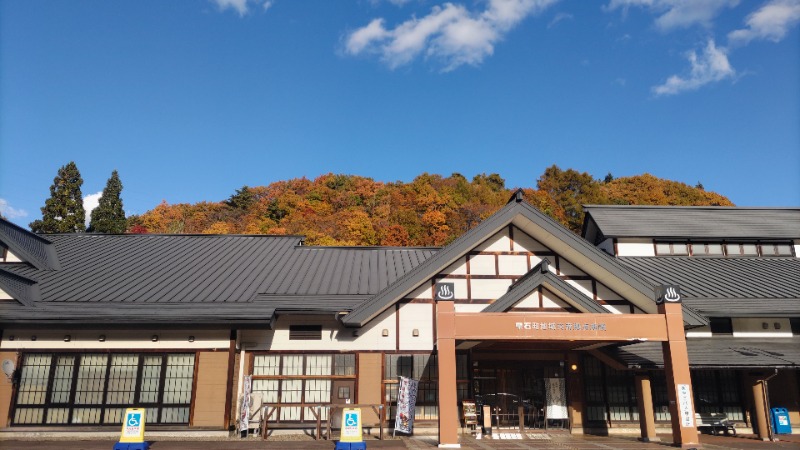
(651, 314)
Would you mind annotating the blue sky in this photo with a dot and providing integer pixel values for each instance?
(191, 99)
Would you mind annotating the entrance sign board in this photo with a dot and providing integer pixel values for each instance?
(469, 412)
(133, 426)
(576, 327)
(556, 398)
(351, 425)
(406, 403)
(685, 405)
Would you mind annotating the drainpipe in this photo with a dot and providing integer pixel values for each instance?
(770, 434)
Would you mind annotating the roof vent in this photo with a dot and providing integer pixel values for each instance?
(518, 196)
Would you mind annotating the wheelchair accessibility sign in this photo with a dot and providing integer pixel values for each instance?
(133, 425)
(351, 425)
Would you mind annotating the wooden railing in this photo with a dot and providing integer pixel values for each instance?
(272, 409)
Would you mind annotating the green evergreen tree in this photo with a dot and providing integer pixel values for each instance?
(109, 216)
(63, 212)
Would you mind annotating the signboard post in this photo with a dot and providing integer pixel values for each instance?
(469, 413)
(685, 405)
(132, 435)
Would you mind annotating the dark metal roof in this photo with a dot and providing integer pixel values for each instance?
(23, 289)
(690, 222)
(728, 287)
(173, 275)
(717, 352)
(27, 246)
(541, 276)
(515, 209)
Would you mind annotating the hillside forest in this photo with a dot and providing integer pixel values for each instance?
(431, 210)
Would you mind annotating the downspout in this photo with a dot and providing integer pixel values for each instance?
(770, 434)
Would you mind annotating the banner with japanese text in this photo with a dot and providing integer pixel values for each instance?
(406, 403)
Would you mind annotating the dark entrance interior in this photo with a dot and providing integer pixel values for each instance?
(512, 388)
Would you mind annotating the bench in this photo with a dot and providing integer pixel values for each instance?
(715, 422)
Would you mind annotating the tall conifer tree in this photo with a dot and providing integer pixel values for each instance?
(109, 216)
(63, 212)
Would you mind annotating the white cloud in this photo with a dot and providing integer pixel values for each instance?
(90, 202)
(450, 34)
(708, 67)
(771, 22)
(242, 6)
(9, 212)
(558, 18)
(677, 13)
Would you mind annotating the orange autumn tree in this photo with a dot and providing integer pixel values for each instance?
(430, 210)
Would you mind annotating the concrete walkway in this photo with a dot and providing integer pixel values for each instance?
(539, 441)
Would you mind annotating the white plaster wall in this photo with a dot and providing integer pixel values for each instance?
(416, 316)
(607, 246)
(513, 264)
(500, 242)
(699, 332)
(635, 247)
(470, 307)
(550, 300)
(569, 269)
(489, 289)
(525, 243)
(115, 340)
(12, 258)
(424, 292)
(753, 327)
(482, 265)
(797, 248)
(585, 286)
(604, 293)
(530, 301)
(334, 335)
(457, 268)
(4, 295)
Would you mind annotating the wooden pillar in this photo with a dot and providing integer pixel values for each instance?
(575, 392)
(676, 368)
(760, 410)
(644, 398)
(446, 358)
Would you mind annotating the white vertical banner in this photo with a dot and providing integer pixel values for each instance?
(556, 398)
(406, 403)
(685, 405)
(244, 412)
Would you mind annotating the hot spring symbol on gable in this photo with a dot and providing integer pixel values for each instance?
(445, 291)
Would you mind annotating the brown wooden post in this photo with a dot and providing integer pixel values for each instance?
(644, 397)
(759, 408)
(676, 368)
(521, 415)
(446, 358)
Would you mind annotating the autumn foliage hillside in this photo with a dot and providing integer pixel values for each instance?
(431, 210)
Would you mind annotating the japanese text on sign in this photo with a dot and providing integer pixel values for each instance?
(561, 326)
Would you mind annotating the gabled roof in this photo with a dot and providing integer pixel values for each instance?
(541, 276)
(728, 287)
(539, 226)
(28, 246)
(25, 290)
(690, 222)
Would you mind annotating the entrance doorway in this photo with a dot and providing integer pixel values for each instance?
(516, 392)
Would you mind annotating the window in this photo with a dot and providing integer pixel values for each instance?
(776, 249)
(672, 249)
(610, 393)
(707, 249)
(741, 249)
(95, 389)
(300, 379)
(721, 325)
(424, 368)
(305, 332)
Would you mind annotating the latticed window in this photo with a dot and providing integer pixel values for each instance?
(610, 393)
(95, 389)
(300, 379)
(424, 368)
